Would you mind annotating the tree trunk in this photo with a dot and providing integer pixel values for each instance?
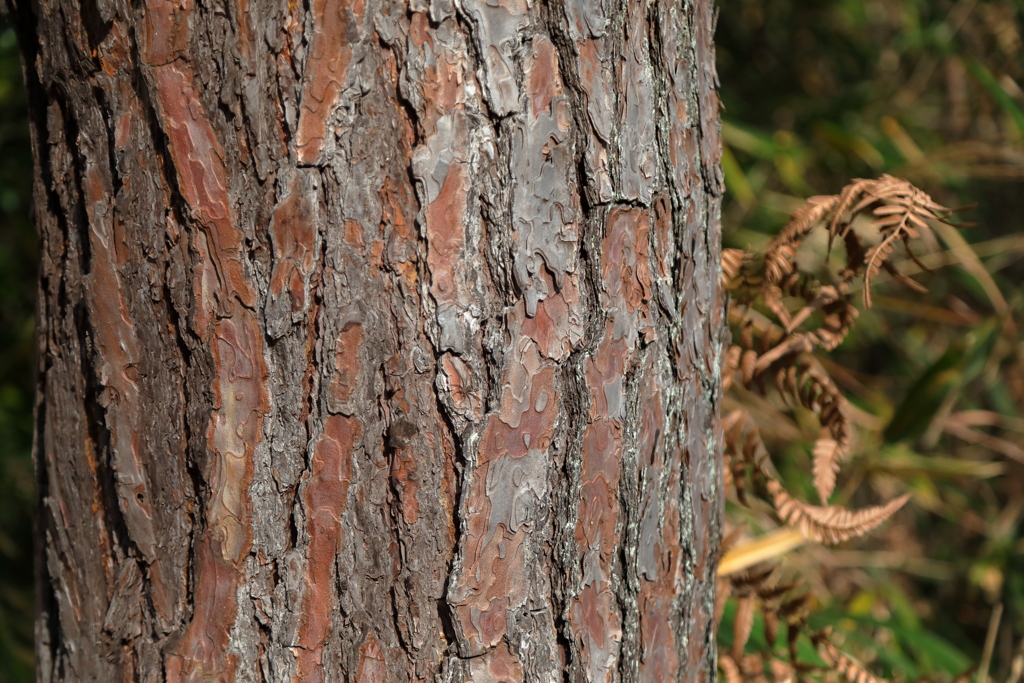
(377, 341)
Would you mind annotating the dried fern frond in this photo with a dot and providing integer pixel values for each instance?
(900, 210)
(728, 480)
(732, 364)
(850, 669)
(813, 389)
(760, 589)
(742, 624)
(753, 666)
(792, 610)
(730, 670)
(780, 254)
(739, 452)
(771, 626)
(751, 579)
(876, 256)
(827, 455)
(771, 595)
(732, 263)
(834, 523)
(846, 199)
(775, 341)
(723, 589)
(782, 672)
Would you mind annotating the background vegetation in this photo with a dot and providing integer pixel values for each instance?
(17, 300)
(816, 92)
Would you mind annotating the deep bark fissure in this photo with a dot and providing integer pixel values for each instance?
(116, 530)
(444, 610)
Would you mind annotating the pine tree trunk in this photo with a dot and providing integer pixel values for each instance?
(377, 341)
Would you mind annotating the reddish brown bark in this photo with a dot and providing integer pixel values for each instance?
(379, 340)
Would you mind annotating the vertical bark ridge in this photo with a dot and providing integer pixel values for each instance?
(690, 144)
(378, 339)
(576, 395)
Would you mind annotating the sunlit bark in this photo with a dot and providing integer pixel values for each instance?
(378, 341)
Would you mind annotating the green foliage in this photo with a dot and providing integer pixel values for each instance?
(963, 361)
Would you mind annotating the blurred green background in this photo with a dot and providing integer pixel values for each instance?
(816, 92)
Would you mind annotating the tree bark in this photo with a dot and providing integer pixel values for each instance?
(377, 341)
